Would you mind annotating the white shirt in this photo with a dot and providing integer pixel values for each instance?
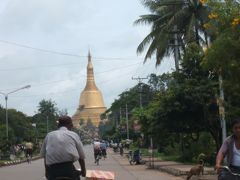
(29, 145)
(62, 145)
(236, 156)
(96, 145)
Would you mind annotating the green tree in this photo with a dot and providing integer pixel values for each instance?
(183, 107)
(19, 128)
(172, 20)
(46, 117)
(223, 56)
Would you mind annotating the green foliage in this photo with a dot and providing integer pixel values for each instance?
(46, 117)
(224, 52)
(181, 108)
(167, 18)
(223, 56)
(117, 111)
(181, 113)
(205, 145)
(19, 128)
(225, 12)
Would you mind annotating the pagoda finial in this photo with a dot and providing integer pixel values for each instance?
(89, 56)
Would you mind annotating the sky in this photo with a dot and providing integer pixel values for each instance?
(45, 43)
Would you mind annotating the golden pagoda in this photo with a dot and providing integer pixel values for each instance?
(91, 104)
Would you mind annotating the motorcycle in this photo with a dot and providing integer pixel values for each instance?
(135, 157)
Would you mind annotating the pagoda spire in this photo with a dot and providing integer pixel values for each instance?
(89, 56)
(90, 85)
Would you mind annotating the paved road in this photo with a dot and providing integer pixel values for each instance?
(121, 167)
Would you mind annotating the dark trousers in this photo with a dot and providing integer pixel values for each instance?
(96, 153)
(65, 169)
(29, 152)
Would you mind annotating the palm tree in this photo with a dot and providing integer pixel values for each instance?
(175, 23)
(159, 37)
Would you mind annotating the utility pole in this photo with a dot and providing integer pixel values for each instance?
(140, 79)
(221, 107)
(6, 98)
(120, 113)
(47, 124)
(127, 121)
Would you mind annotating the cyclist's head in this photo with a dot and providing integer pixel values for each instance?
(236, 127)
(65, 121)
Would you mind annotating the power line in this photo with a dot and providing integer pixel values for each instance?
(47, 66)
(63, 53)
(37, 67)
(117, 68)
(83, 76)
(38, 95)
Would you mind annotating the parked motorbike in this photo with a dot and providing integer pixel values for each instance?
(135, 157)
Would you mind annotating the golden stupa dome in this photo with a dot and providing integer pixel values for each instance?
(91, 104)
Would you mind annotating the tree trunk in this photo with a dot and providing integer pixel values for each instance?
(176, 49)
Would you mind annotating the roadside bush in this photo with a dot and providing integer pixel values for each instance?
(172, 150)
(204, 145)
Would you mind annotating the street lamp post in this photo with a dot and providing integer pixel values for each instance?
(35, 127)
(6, 98)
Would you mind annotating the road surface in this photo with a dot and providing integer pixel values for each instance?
(115, 163)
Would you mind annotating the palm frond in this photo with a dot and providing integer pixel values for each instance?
(145, 41)
(146, 19)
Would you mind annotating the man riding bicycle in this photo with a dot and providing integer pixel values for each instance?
(96, 149)
(230, 149)
(28, 149)
(103, 147)
(60, 149)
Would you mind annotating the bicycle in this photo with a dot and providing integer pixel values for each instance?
(104, 153)
(28, 154)
(29, 158)
(227, 173)
(99, 156)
